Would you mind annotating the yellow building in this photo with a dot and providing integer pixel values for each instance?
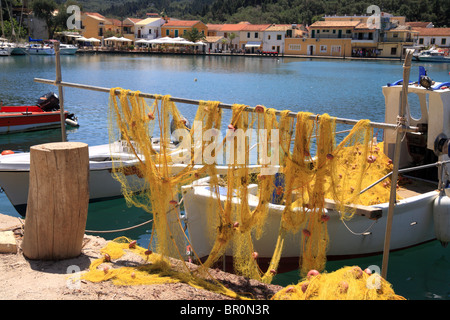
(394, 42)
(176, 28)
(318, 47)
(93, 25)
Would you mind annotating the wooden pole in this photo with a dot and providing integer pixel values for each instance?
(60, 89)
(58, 200)
(221, 105)
(396, 161)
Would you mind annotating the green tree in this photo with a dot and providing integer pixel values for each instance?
(44, 9)
(54, 15)
(194, 35)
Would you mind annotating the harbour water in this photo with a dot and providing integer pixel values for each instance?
(342, 88)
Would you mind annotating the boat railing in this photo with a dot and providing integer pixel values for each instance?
(405, 170)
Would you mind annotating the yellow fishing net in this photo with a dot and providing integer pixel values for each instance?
(348, 283)
(299, 165)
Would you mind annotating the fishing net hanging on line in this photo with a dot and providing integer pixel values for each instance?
(311, 165)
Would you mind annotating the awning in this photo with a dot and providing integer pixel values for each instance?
(253, 44)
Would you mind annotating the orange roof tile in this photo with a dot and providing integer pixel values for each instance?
(181, 23)
(334, 24)
(256, 27)
(418, 24)
(433, 31)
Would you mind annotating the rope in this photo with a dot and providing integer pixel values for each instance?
(119, 230)
(136, 226)
(364, 233)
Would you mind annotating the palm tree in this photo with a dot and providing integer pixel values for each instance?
(232, 36)
(194, 35)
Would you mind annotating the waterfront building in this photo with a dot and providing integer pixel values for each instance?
(93, 25)
(230, 32)
(149, 28)
(427, 37)
(251, 37)
(177, 28)
(275, 35)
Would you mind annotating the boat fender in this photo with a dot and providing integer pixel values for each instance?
(5, 152)
(72, 123)
(441, 217)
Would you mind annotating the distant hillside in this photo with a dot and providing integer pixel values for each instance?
(271, 11)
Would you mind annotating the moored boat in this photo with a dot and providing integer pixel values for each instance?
(40, 49)
(421, 214)
(432, 55)
(44, 115)
(15, 171)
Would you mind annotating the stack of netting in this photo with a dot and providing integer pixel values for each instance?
(313, 165)
(348, 283)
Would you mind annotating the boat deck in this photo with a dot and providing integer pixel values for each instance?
(413, 187)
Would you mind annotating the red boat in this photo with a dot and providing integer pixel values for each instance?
(44, 115)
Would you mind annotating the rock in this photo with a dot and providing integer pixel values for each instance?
(7, 242)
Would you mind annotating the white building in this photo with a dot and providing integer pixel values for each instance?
(428, 37)
(149, 28)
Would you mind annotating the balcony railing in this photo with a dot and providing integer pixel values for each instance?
(393, 39)
(332, 36)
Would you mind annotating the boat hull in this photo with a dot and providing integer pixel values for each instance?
(412, 225)
(5, 51)
(41, 51)
(20, 119)
(15, 171)
(68, 51)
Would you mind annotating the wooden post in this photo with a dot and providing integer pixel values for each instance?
(60, 90)
(58, 200)
(396, 161)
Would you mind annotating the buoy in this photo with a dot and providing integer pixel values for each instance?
(441, 216)
(72, 123)
(5, 152)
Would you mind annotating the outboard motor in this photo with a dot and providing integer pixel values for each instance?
(48, 102)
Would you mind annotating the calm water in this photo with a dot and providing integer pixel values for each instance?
(348, 89)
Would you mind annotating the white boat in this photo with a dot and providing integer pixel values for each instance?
(417, 217)
(15, 170)
(432, 55)
(5, 51)
(40, 49)
(67, 49)
(5, 48)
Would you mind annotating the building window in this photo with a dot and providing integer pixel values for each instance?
(268, 37)
(273, 48)
(167, 32)
(323, 48)
(433, 41)
(393, 51)
(248, 35)
(296, 47)
(421, 41)
(443, 41)
(279, 37)
(256, 35)
(335, 49)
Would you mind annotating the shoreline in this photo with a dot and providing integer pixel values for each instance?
(253, 55)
